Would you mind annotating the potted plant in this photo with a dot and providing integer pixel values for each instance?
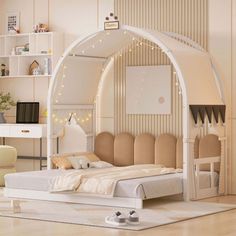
(6, 102)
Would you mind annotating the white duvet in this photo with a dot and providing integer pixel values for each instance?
(103, 181)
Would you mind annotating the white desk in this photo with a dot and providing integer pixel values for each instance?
(35, 131)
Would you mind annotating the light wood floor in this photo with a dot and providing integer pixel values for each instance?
(218, 225)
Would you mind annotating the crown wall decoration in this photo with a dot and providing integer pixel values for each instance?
(111, 22)
(203, 110)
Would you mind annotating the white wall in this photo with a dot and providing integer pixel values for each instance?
(222, 47)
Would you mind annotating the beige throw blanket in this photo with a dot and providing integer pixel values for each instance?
(103, 181)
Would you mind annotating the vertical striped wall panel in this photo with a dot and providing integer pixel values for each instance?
(187, 17)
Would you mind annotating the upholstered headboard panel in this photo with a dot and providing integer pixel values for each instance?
(209, 146)
(124, 149)
(104, 147)
(165, 150)
(144, 149)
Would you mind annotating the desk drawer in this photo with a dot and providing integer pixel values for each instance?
(26, 132)
(4, 131)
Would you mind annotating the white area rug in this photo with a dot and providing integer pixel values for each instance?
(156, 213)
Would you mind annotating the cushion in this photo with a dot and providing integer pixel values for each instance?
(62, 162)
(79, 162)
(90, 155)
(101, 164)
(8, 156)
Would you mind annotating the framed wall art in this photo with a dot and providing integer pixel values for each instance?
(12, 22)
(148, 90)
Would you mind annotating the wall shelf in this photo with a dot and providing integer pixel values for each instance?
(41, 46)
(28, 55)
(25, 76)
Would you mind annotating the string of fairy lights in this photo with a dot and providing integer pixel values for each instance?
(137, 42)
(82, 119)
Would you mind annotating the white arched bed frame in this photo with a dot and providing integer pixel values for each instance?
(194, 69)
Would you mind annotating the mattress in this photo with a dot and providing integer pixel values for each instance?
(145, 188)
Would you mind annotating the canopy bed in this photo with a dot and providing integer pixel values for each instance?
(202, 96)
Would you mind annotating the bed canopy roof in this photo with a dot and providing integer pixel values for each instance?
(196, 74)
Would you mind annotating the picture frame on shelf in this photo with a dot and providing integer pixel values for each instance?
(13, 22)
(19, 50)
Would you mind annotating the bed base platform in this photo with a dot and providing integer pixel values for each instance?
(69, 197)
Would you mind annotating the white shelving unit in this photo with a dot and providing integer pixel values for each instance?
(25, 87)
(41, 46)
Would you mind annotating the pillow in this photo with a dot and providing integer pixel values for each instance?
(79, 162)
(101, 164)
(90, 155)
(62, 163)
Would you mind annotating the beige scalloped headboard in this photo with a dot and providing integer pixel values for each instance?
(166, 149)
(124, 149)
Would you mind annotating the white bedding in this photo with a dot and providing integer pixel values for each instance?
(103, 181)
(145, 188)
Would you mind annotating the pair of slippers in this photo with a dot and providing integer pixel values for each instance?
(119, 219)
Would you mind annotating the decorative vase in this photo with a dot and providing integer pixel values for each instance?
(2, 118)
